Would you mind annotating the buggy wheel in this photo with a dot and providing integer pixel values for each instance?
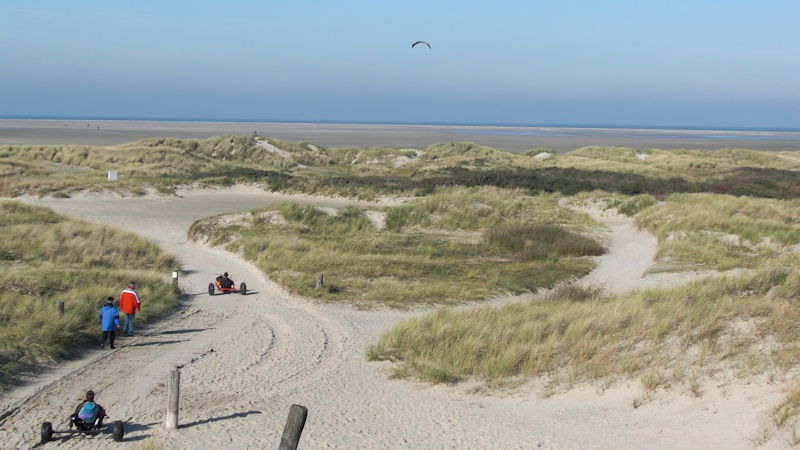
(243, 289)
(47, 432)
(210, 288)
(118, 430)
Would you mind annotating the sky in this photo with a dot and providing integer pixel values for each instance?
(693, 63)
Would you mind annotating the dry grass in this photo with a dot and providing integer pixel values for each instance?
(744, 323)
(46, 258)
(664, 337)
(706, 231)
(456, 245)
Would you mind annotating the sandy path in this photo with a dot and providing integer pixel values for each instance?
(247, 359)
(630, 254)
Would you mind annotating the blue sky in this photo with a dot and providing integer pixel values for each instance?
(638, 63)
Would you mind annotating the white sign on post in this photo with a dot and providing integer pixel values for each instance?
(112, 175)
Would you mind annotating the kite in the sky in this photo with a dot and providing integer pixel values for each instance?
(420, 42)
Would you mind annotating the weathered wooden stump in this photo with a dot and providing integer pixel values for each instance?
(174, 390)
(294, 427)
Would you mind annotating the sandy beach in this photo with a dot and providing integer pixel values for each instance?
(513, 139)
(244, 360)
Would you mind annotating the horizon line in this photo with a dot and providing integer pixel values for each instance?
(407, 123)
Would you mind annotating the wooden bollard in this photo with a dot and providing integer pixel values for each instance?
(294, 427)
(319, 281)
(174, 390)
(61, 308)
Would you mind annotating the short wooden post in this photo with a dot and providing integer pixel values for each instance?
(294, 427)
(175, 276)
(319, 281)
(61, 308)
(174, 390)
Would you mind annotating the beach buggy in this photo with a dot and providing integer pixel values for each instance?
(85, 425)
(225, 285)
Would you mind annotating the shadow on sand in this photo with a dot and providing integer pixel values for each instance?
(191, 330)
(147, 344)
(217, 419)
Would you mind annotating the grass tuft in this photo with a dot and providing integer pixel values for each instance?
(46, 258)
(453, 246)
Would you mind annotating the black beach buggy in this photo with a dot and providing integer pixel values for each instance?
(117, 429)
(216, 286)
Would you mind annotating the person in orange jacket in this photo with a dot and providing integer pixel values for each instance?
(129, 304)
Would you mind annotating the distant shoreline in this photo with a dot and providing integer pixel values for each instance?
(420, 124)
(515, 139)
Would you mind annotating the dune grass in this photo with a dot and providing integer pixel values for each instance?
(575, 335)
(711, 210)
(153, 164)
(706, 231)
(46, 258)
(453, 246)
(742, 323)
(162, 164)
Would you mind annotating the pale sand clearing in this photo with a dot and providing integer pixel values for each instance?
(246, 359)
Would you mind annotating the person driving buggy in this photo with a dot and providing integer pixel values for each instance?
(88, 412)
(224, 282)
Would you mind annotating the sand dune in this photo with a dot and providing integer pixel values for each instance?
(246, 359)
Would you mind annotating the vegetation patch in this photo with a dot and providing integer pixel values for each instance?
(161, 164)
(743, 322)
(721, 232)
(453, 246)
(46, 258)
(485, 222)
(573, 335)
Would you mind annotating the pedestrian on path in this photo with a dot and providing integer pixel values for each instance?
(109, 320)
(129, 304)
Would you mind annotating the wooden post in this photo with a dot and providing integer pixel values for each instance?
(174, 390)
(61, 308)
(175, 276)
(103, 245)
(294, 427)
(319, 281)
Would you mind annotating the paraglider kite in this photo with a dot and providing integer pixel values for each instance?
(420, 42)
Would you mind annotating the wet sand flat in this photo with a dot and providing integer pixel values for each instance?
(513, 139)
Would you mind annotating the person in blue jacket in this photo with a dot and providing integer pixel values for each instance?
(109, 320)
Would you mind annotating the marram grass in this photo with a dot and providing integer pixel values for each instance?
(46, 258)
(582, 336)
(742, 322)
(453, 246)
(161, 164)
(695, 230)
